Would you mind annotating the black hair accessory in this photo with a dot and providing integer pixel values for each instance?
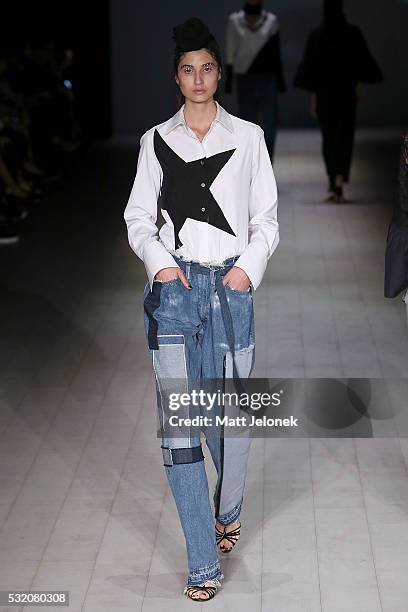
(193, 34)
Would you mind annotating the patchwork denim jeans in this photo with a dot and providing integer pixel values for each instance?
(194, 334)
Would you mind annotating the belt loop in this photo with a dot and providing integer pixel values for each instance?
(188, 270)
(229, 330)
(167, 456)
(212, 271)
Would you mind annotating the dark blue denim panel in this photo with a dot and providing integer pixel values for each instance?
(151, 303)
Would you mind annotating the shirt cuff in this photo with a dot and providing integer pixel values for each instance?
(155, 258)
(253, 262)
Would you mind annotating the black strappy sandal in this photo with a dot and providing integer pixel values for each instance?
(232, 536)
(209, 586)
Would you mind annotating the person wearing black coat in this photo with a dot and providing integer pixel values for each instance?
(335, 62)
(396, 252)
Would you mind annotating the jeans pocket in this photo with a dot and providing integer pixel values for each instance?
(168, 282)
(239, 291)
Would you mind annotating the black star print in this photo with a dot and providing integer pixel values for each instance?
(185, 191)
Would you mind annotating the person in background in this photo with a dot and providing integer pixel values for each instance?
(19, 174)
(14, 118)
(396, 252)
(335, 63)
(68, 77)
(48, 101)
(37, 124)
(253, 56)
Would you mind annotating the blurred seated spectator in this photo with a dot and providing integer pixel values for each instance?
(38, 127)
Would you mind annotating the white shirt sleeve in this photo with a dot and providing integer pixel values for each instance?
(141, 212)
(263, 228)
(231, 42)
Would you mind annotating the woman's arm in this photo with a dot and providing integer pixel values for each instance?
(263, 228)
(141, 212)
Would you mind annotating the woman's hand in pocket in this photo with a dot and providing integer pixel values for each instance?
(168, 274)
(237, 279)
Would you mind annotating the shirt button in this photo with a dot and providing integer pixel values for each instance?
(202, 184)
(203, 209)
(202, 162)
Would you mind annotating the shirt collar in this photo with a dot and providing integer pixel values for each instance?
(222, 117)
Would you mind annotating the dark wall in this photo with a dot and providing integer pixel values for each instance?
(144, 92)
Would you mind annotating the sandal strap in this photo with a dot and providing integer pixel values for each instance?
(209, 586)
(225, 527)
(236, 531)
(233, 540)
(226, 535)
(192, 590)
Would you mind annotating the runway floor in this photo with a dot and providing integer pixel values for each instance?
(84, 503)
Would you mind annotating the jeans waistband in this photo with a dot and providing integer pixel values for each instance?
(200, 268)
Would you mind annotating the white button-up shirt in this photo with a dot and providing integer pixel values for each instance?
(218, 196)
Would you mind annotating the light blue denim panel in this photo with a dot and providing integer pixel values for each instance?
(236, 446)
(244, 359)
(242, 310)
(169, 361)
(235, 460)
(170, 366)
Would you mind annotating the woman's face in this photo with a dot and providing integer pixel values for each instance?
(198, 75)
